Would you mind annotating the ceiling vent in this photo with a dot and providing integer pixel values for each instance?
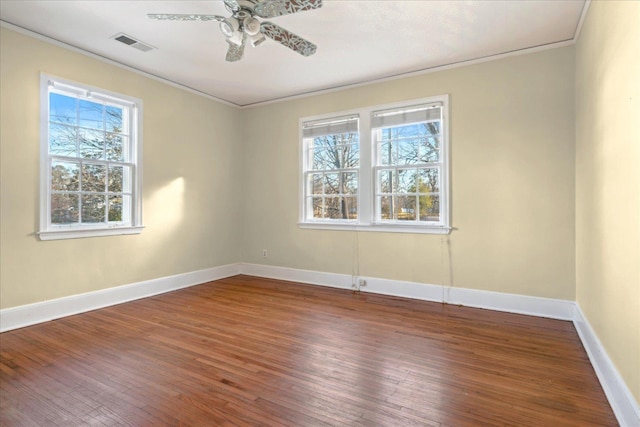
(130, 41)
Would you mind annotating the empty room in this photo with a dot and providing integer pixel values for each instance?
(320, 213)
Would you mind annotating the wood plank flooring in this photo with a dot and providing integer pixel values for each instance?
(248, 351)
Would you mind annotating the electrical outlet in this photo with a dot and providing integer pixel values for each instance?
(362, 282)
(264, 253)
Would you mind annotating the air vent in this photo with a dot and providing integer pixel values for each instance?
(130, 41)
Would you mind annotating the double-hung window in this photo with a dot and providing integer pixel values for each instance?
(408, 166)
(90, 161)
(382, 168)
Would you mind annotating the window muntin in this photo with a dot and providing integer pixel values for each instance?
(332, 159)
(90, 162)
(402, 174)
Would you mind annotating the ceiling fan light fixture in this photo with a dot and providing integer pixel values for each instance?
(257, 40)
(251, 26)
(229, 26)
(236, 38)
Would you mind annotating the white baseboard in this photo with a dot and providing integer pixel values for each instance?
(294, 275)
(31, 314)
(521, 304)
(622, 402)
(511, 303)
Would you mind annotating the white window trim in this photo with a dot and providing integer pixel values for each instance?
(366, 218)
(57, 232)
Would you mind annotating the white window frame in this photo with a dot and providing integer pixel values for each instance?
(367, 220)
(133, 159)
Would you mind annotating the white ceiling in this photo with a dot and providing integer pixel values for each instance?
(358, 41)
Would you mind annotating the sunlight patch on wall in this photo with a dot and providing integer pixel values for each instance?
(165, 208)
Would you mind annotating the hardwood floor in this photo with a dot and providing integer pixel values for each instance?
(248, 351)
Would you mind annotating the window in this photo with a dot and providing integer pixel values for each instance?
(90, 162)
(408, 167)
(381, 168)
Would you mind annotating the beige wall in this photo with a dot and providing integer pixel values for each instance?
(190, 180)
(608, 181)
(512, 150)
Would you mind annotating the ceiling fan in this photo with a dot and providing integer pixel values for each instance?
(243, 25)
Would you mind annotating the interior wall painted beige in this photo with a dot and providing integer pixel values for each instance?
(512, 151)
(608, 181)
(190, 182)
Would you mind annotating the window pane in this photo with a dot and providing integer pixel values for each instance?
(119, 208)
(331, 183)
(405, 208)
(93, 208)
(315, 181)
(386, 207)
(114, 146)
(91, 144)
(336, 208)
(351, 156)
(350, 183)
(351, 207)
(429, 208)
(406, 181)
(386, 178)
(429, 181)
(318, 159)
(94, 178)
(430, 149)
(64, 208)
(62, 109)
(431, 128)
(62, 140)
(407, 151)
(409, 130)
(318, 207)
(113, 119)
(65, 176)
(90, 115)
(116, 174)
(385, 154)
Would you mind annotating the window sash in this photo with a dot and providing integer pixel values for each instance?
(310, 130)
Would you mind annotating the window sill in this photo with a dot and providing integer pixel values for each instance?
(70, 233)
(382, 228)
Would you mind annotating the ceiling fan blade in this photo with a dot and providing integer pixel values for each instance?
(273, 8)
(232, 5)
(288, 39)
(181, 17)
(235, 52)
